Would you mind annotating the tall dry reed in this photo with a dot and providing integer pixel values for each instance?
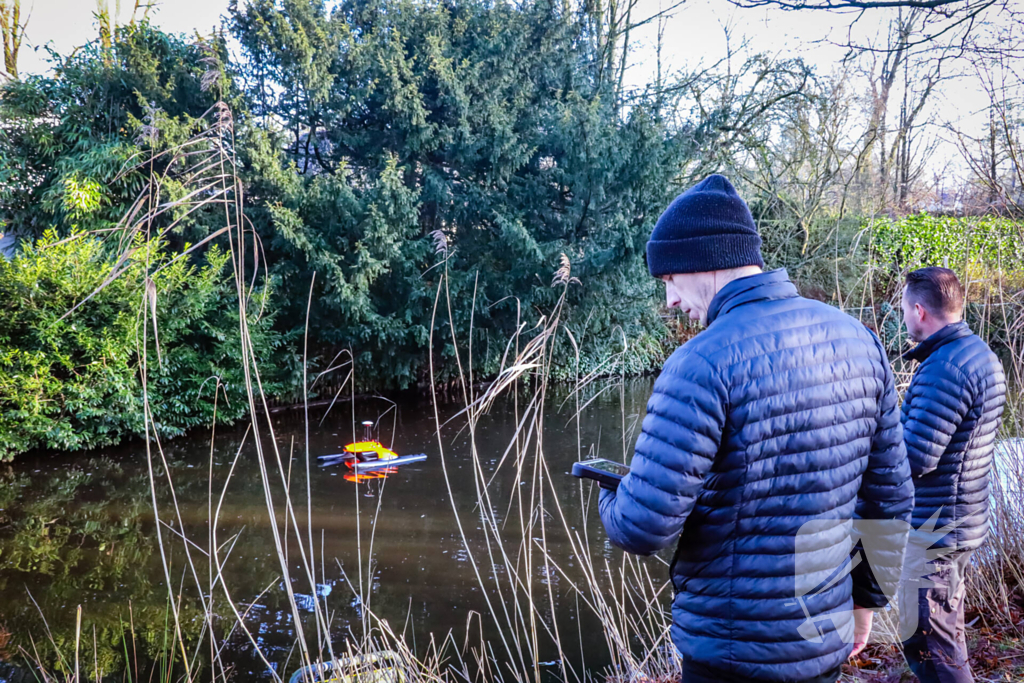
(516, 563)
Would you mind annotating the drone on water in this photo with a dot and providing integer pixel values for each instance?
(369, 456)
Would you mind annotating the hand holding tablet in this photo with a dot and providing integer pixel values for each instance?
(607, 473)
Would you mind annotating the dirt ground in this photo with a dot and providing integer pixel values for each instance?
(996, 655)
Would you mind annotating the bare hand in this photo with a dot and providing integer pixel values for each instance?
(862, 618)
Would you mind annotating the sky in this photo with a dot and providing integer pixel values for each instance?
(695, 34)
(66, 24)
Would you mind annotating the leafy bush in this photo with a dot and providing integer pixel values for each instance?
(986, 252)
(923, 240)
(73, 381)
(66, 139)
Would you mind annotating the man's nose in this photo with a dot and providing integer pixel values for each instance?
(671, 299)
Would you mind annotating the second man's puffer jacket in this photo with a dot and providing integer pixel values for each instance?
(951, 414)
(782, 413)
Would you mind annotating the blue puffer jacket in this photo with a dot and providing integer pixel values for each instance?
(782, 412)
(951, 414)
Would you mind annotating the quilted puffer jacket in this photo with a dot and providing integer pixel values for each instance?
(951, 414)
(782, 413)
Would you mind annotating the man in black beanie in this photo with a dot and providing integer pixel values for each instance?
(765, 436)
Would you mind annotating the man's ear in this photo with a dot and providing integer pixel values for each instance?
(921, 311)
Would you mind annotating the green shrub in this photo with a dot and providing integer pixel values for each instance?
(986, 252)
(73, 382)
(924, 240)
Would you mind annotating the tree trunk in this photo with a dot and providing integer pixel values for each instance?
(13, 32)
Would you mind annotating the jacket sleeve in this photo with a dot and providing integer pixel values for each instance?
(681, 435)
(933, 413)
(884, 505)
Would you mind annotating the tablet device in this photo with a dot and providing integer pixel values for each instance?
(607, 473)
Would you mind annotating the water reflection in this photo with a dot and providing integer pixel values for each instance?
(80, 530)
(370, 476)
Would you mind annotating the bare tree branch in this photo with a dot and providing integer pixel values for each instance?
(946, 7)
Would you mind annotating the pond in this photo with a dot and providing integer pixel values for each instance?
(79, 529)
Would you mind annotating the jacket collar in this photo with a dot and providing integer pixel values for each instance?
(949, 333)
(769, 286)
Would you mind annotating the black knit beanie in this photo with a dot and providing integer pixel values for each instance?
(706, 228)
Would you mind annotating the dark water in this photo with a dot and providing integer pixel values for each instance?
(80, 530)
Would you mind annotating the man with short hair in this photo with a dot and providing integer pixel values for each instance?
(781, 416)
(951, 415)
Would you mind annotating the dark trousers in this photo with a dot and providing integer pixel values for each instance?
(695, 672)
(937, 649)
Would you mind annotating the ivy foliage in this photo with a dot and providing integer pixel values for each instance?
(922, 239)
(986, 252)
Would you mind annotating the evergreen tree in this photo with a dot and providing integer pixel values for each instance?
(381, 123)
